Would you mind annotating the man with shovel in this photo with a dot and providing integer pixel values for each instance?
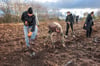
(30, 27)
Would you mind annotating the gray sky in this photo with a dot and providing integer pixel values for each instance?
(65, 3)
(70, 3)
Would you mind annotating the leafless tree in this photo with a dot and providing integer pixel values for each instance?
(98, 13)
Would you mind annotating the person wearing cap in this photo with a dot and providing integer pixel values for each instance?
(88, 24)
(30, 27)
(69, 21)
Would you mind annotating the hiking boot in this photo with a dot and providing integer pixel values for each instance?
(66, 36)
(63, 45)
(32, 54)
(27, 48)
(73, 36)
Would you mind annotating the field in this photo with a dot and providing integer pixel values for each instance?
(79, 51)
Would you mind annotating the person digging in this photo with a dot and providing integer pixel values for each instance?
(56, 29)
(30, 27)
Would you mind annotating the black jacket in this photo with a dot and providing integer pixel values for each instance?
(77, 17)
(89, 22)
(31, 20)
(70, 18)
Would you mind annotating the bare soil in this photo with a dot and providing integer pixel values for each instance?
(79, 51)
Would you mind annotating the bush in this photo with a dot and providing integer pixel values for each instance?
(8, 18)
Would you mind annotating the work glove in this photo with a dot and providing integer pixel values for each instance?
(29, 34)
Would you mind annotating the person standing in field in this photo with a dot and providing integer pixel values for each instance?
(88, 24)
(69, 21)
(77, 18)
(30, 27)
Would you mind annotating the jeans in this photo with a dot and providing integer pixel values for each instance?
(26, 30)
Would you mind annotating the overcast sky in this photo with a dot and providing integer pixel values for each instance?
(70, 3)
(65, 3)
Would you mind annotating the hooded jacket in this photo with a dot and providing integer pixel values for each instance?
(31, 20)
(70, 18)
(89, 22)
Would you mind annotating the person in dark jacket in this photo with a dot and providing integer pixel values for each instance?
(77, 18)
(69, 21)
(88, 24)
(30, 28)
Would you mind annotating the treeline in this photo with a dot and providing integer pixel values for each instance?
(13, 11)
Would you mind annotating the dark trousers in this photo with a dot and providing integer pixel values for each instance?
(89, 32)
(67, 27)
(77, 21)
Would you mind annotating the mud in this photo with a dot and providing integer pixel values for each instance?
(79, 51)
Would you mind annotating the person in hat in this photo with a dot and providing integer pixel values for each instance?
(30, 27)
